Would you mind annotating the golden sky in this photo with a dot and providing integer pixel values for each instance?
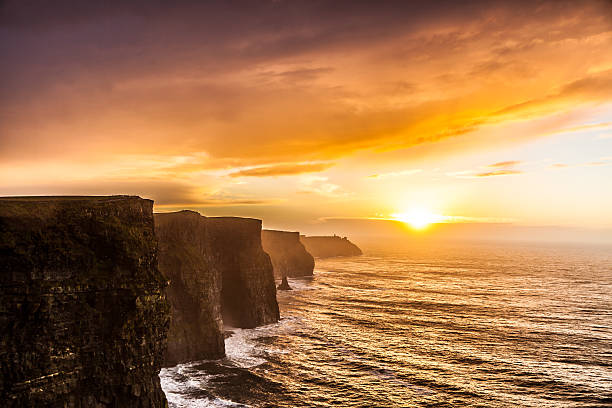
(299, 112)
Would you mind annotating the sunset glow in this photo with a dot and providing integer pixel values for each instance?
(419, 218)
(289, 118)
(306, 203)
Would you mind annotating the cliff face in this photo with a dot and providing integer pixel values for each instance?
(83, 316)
(325, 247)
(248, 292)
(289, 257)
(194, 292)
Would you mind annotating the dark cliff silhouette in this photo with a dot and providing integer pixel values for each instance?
(194, 292)
(84, 317)
(284, 285)
(329, 246)
(218, 273)
(248, 291)
(289, 257)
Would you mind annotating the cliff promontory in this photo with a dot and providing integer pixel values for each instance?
(83, 314)
(194, 291)
(289, 257)
(218, 273)
(329, 246)
(248, 292)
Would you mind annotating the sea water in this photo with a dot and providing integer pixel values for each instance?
(428, 325)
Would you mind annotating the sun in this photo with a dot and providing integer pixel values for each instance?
(418, 218)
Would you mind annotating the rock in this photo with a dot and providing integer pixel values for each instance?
(194, 292)
(218, 273)
(329, 246)
(248, 292)
(284, 284)
(83, 315)
(289, 257)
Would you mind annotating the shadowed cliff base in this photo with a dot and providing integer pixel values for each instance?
(329, 246)
(288, 255)
(84, 319)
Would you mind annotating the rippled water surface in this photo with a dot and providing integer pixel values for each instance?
(435, 325)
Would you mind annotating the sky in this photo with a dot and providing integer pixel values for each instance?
(304, 113)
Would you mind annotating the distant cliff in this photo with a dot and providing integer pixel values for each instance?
(248, 292)
(289, 257)
(194, 293)
(329, 246)
(83, 315)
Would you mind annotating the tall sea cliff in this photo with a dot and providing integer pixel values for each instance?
(218, 273)
(194, 291)
(248, 292)
(83, 315)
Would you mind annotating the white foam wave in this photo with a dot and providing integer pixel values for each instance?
(183, 384)
(243, 349)
(240, 349)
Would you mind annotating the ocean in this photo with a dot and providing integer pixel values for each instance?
(425, 325)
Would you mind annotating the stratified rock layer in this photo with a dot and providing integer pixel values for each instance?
(194, 292)
(248, 292)
(289, 257)
(326, 247)
(83, 316)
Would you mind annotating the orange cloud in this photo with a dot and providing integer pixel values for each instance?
(282, 170)
(509, 163)
(499, 173)
(279, 96)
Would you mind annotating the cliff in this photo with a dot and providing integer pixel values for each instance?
(325, 247)
(218, 273)
(248, 292)
(289, 257)
(83, 316)
(194, 291)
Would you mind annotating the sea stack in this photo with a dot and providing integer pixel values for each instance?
(84, 317)
(194, 291)
(329, 246)
(284, 285)
(248, 291)
(288, 255)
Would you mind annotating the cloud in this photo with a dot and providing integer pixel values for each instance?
(161, 191)
(320, 185)
(197, 91)
(225, 202)
(587, 127)
(476, 174)
(91, 80)
(595, 88)
(503, 168)
(510, 163)
(602, 161)
(286, 169)
(504, 172)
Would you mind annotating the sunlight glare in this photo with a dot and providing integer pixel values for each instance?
(418, 218)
